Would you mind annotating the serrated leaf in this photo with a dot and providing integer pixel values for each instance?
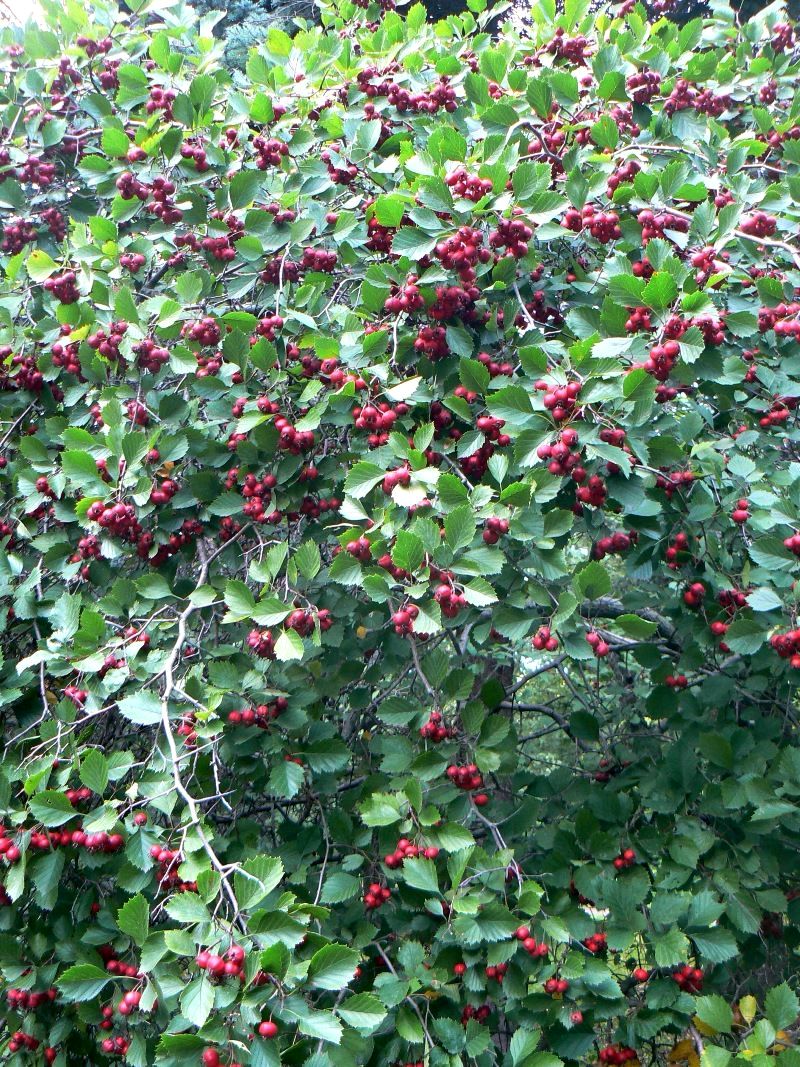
(333, 966)
(289, 646)
(51, 808)
(782, 1006)
(94, 771)
(420, 873)
(256, 879)
(83, 982)
(364, 1012)
(133, 919)
(142, 708)
(715, 1012)
(197, 1000)
(460, 526)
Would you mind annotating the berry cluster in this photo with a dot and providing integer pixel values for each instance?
(741, 513)
(231, 965)
(626, 173)
(690, 979)
(64, 287)
(376, 895)
(318, 259)
(25, 1000)
(467, 777)
(626, 858)
(211, 1058)
(617, 1055)
(262, 643)
(544, 640)
(403, 619)
(129, 1002)
(643, 86)
(92, 842)
(598, 645)
(694, 595)
(593, 493)
(534, 948)
(450, 602)
(615, 543)
(494, 368)
(20, 1040)
(602, 225)
(470, 186)
(560, 400)
(572, 49)
(117, 518)
(149, 356)
(480, 1015)
(115, 1046)
(676, 681)
(595, 943)
(261, 715)
(513, 235)
(495, 528)
(406, 849)
(563, 460)
(77, 796)
(167, 874)
(759, 224)
(787, 645)
(435, 730)
(556, 987)
(657, 225)
(462, 252)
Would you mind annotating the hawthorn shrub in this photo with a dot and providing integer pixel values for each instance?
(401, 509)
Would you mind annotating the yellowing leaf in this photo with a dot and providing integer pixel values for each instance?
(748, 1006)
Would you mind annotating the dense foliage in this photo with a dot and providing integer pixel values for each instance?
(401, 506)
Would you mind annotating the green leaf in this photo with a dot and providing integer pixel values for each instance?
(239, 601)
(40, 265)
(81, 469)
(413, 243)
(142, 708)
(133, 919)
(187, 908)
(364, 1012)
(289, 646)
(307, 559)
(362, 478)
(94, 771)
(51, 808)
(593, 581)
(660, 292)
(715, 1012)
(197, 1000)
(408, 551)
(715, 946)
(285, 779)
(460, 526)
(604, 133)
(389, 210)
(670, 948)
(83, 982)
(340, 887)
(420, 873)
(333, 966)
(244, 187)
(782, 1006)
(256, 879)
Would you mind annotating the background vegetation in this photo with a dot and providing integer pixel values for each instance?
(400, 500)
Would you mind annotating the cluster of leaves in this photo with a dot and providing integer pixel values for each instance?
(400, 507)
